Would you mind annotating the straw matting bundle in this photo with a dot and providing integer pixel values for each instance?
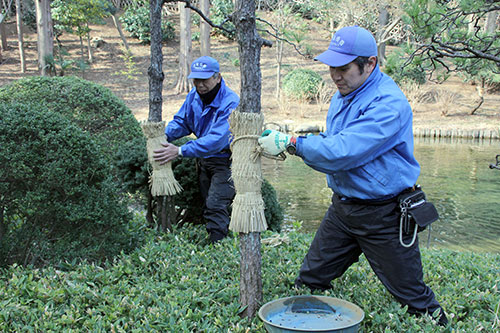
(162, 181)
(248, 207)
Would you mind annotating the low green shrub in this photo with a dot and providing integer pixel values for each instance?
(136, 21)
(302, 84)
(177, 282)
(57, 199)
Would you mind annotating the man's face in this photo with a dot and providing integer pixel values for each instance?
(348, 78)
(205, 85)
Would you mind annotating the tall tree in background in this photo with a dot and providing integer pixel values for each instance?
(183, 83)
(45, 34)
(19, 26)
(205, 29)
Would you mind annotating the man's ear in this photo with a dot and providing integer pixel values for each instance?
(372, 62)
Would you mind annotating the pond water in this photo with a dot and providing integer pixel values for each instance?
(455, 176)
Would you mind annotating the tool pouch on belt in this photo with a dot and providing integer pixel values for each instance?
(416, 211)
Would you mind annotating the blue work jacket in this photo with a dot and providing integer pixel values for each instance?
(208, 123)
(367, 149)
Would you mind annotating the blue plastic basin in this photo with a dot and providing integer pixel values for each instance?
(311, 314)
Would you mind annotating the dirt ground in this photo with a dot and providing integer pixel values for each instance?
(444, 106)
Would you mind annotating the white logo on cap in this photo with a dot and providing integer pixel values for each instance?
(338, 42)
(200, 66)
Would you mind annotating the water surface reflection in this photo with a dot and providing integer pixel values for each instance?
(455, 176)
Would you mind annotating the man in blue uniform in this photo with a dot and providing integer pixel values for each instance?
(367, 156)
(205, 114)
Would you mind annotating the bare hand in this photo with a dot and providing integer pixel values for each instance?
(166, 154)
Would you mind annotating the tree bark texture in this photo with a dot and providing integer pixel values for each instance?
(20, 36)
(250, 273)
(249, 46)
(155, 70)
(205, 29)
(45, 34)
(185, 51)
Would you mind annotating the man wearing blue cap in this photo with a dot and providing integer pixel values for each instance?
(367, 156)
(205, 114)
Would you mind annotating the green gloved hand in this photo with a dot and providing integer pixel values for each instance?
(274, 142)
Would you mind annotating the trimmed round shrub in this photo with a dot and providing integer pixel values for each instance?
(302, 84)
(57, 200)
(91, 107)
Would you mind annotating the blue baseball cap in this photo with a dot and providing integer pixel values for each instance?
(347, 44)
(204, 68)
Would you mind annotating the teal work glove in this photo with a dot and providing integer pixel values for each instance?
(274, 142)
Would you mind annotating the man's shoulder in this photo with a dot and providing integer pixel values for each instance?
(229, 96)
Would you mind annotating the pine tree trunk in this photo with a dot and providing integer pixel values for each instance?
(183, 84)
(249, 45)
(155, 70)
(20, 36)
(205, 29)
(45, 34)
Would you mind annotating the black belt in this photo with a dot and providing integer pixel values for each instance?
(374, 202)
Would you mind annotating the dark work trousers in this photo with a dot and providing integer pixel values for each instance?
(349, 229)
(217, 191)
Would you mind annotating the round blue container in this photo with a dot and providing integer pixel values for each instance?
(311, 314)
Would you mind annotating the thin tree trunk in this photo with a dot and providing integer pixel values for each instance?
(3, 36)
(120, 31)
(279, 57)
(20, 36)
(4, 8)
(3, 228)
(383, 19)
(491, 22)
(205, 29)
(249, 46)
(89, 48)
(183, 84)
(45, 34)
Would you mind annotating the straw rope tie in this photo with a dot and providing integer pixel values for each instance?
(258, 151)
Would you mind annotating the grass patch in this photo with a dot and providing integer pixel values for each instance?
(180, 283)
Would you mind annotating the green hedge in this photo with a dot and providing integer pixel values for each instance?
(94, 109)
(57, 200)
(177, 283)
